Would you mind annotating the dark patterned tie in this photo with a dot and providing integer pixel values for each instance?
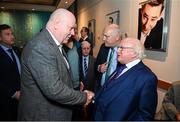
(13, 58)
(117, 72)
(85, 67)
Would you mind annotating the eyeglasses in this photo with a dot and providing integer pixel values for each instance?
(106, 36)
(86, 48)
(122, 48)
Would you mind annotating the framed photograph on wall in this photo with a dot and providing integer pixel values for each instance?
(92, 30)
(112, 17)
(153, 24)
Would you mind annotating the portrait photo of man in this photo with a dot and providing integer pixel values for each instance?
(150, 28)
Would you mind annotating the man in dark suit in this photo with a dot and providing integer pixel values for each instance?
(87, 76)
(85, 37)
(111, 38)
(9, 75)
(130, 94)
(47, 89)
(151, 24)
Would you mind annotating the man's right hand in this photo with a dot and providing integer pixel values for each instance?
(17, 95)
(103, 67)
(90, 96)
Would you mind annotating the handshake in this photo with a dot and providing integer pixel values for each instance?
(90, 96)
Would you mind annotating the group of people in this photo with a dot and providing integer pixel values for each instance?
(60, 79)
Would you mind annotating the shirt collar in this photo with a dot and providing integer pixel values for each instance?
(85, 37)
(133, 63)
(85, 56)
(4, 47)
(56, 41)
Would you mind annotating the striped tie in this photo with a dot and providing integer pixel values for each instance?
(85, 67)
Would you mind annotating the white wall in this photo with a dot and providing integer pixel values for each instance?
(168, 68)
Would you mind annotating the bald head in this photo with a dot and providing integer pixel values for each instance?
(61, 24)
(111, 35)
(60, 15)
(112, 27)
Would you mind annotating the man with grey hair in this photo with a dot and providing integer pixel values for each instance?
(47, 89)
(106, 61)
(130, 94)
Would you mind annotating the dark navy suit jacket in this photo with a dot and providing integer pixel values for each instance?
(9, 84)
(132, 96)
(89, 82)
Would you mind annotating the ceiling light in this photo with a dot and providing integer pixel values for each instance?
(66, 2)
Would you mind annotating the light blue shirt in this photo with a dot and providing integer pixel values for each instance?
(113, 65)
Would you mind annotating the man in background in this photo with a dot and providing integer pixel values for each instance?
(85, 37)
(47, 88)
(130, 94)
(106, 61)
(87, 76)
(9, 75)
(151, 24)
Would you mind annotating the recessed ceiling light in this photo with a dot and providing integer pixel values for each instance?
(66, 2)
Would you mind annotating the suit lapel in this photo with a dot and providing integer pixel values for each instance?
(4, 54)
(52, 42)
(125, 78)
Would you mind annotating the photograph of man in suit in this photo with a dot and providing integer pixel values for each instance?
(9, 74)
(46, 87)
(151, 24)
(130, 94)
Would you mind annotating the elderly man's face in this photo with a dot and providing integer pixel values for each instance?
(125, 52)
(111, 39)
(86, 49)
(150, 16)
(67, 29)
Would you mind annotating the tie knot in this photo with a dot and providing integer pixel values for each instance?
(10, 50)
(121, 68)
(84, 58)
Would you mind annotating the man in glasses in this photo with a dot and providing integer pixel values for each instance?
(106, 61)
(130, 94)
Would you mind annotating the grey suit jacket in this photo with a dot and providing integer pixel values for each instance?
(47, 90)
(170, 104)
